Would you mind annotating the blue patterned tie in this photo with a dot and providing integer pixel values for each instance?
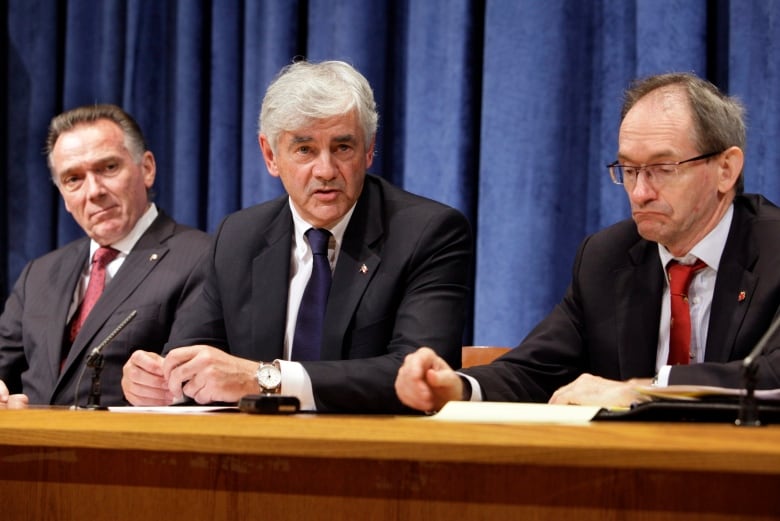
(311, 315)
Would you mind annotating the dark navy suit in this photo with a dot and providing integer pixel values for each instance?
(400, 282)
(607, 323)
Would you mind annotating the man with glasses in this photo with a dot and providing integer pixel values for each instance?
(624, 321)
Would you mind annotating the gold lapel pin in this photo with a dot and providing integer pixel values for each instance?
(153, 257)
(363, 269)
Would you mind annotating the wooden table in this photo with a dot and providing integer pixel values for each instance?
(61, 464)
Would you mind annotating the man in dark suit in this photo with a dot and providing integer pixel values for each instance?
(397, 265)
(100, 164)
(680, 161)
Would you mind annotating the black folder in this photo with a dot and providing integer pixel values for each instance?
(711, 411)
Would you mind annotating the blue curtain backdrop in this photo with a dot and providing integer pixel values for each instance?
(505, 109)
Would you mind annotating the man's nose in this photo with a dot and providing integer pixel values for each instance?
(642, 190)
(325, 166)
(94, 184)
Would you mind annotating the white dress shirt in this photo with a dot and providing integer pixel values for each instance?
(700, 293)
(295, 380)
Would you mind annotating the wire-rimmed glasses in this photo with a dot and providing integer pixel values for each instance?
(657, 173)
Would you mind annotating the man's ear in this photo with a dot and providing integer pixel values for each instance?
(149, 168)
(370, 153)
(268, 155)
(730, 163)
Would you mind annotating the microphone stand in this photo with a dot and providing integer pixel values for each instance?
(96, 362)
(748, 405)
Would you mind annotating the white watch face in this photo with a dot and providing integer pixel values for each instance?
(269, 377)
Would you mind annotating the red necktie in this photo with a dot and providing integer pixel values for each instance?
(97, 281)
(680, 276)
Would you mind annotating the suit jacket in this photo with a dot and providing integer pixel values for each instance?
(607, 323)
(400, 282)
(156, 278)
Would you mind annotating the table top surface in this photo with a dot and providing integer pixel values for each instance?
(684, 446)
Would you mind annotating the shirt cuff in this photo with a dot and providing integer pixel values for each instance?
(476, 390)
(296, 382)
(662, 378)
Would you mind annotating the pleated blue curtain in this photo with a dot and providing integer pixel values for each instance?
(32, 83)
(754, 76)
(505, 109)
(438, 142)
(533, 148)
(274, 33)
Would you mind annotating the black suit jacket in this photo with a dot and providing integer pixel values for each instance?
(607, 323)
(156, 278)
(412, 292)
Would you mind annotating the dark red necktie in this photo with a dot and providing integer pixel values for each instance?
(311, 315)
(97, 281)
(680, 276)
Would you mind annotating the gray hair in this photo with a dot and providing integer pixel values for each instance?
(305, 91)
(134, 138)
(718, 119)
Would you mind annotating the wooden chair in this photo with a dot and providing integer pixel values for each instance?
(480, 355)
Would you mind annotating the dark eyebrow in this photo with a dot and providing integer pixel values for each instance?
(97, 162)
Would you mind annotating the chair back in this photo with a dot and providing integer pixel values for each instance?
(480, 355)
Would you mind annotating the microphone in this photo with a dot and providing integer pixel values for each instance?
(97, 351)
(95, 361)
(748, 406)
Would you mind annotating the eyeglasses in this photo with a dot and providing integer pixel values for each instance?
(656, 174)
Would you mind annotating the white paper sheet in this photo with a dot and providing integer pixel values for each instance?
(177, 409)
(507, 412)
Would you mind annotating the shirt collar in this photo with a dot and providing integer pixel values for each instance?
(301, 226)
(709, 249)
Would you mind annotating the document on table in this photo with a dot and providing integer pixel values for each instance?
(177, 409)
(508, 412)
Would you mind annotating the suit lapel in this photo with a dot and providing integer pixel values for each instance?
(357, 264)
(734, 289)
(270, 286)
(63, 285)
(638, 291)
(143, 258)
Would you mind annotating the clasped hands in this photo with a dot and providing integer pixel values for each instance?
(204, 373)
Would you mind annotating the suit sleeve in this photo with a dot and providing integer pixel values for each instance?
(12, 359)
(552, 355)
(199, 318)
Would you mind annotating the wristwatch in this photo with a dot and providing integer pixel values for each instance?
(269, 377)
